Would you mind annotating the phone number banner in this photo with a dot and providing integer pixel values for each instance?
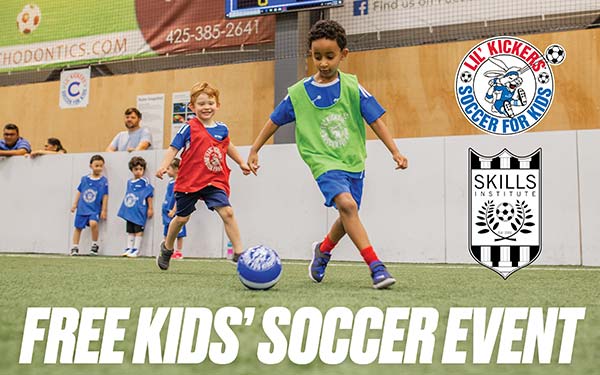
(58, 33)
(178, 26)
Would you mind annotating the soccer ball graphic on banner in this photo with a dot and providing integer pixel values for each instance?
(259, 268)
(29, 19)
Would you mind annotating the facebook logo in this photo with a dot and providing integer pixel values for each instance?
(361, 7)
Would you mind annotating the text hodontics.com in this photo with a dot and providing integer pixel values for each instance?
(396, 335)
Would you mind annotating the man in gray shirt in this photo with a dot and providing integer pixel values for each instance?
(135, 137)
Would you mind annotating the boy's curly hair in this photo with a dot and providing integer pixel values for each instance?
(327, 29)
(206, 88)
(137, 161)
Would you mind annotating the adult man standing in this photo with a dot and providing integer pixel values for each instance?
(135, 137)
(12, 144)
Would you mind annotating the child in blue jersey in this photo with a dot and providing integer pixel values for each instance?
(136, 206)
(90, 203)
(330, 109)
(170, 208)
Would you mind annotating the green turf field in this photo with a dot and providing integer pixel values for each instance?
(59, 281)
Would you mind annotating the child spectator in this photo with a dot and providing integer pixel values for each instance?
(90, 203)
(137, 206)
(170, 207)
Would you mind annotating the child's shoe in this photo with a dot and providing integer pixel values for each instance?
(94, 250)
(74, 251)
(177, 255)
(126, 252)
(164, 257)
(381, 277)
(316, 268)
(133, 253)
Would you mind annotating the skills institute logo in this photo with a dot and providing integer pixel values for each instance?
(505, 210)
(505, 86)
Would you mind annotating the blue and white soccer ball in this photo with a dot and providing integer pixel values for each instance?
(259, 268)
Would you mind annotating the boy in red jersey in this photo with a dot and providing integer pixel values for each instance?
(203, 172)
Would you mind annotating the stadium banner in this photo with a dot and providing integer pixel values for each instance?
(60, 33)
(368, 16)
(74, 88)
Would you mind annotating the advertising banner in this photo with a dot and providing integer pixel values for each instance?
(59, 33)
(74, 88)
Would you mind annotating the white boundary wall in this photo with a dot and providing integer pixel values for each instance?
(416, 215)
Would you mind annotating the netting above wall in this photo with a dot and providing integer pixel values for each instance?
(126, 36)
(397, 23)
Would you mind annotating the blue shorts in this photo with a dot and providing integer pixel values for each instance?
(182, 232)
(82, 221)
(213, 197)
(333, 183)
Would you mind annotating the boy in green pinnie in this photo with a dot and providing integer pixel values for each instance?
(329, 109)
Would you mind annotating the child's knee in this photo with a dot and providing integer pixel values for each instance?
(346, 204)
(226, 213)
(93, 224)
(182, 219)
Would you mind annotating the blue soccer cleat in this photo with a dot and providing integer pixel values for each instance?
(316, 268)
(381, 277)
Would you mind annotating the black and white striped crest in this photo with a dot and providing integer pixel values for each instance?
(505, 209)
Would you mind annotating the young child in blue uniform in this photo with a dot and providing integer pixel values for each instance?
(90, 203)
(170, 208)
(137, 206)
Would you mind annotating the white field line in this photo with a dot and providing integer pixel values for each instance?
(303, 263)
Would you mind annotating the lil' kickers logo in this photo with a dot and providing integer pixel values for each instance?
(505, 86)
(505, 207)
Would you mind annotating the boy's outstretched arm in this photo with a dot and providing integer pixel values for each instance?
(382, 132)
(167, 159)
(266, 132)
(233, 153)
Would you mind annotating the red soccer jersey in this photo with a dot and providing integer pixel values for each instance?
(204, 163)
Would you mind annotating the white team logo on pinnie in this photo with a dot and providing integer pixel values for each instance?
(504, 85)
(334, 130)
(89, 196)
(130, 200)
(213, 158)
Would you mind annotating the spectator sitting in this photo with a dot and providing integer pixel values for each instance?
(13, 144)
(52, 146)
(135, 137)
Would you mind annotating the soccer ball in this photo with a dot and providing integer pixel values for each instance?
(259, 268)
(543, 77)
(555, 54)
(505, 211)
(29, 19)
(466, 76)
